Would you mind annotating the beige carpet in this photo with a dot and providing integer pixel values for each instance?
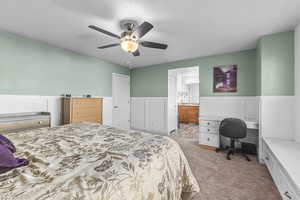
(221, 179)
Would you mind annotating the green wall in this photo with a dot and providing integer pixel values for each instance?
(152, 81)
(31, 67)
(258, 69)
(276, 64)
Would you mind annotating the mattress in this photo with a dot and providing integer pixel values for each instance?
(88, 161)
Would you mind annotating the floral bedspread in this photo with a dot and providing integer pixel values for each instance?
(88, 161)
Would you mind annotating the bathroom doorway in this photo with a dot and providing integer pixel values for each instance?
(183, 97)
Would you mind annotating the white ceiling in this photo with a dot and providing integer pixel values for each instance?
(191, 28)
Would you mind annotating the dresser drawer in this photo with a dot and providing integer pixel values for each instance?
(210, 123)
(209, 139)
(86, 100)
(208, 129)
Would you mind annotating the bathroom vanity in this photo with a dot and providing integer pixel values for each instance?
(188, 113)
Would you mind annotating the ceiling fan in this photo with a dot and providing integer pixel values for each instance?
(130, 39)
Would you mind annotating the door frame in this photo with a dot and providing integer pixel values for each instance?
(112, 88)
(181, 69)
(168, 104)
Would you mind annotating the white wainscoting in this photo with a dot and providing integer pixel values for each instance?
(52, 104)
(107, 110)
(277, 117)
(246, 108)
(149, 114)
(138, 113)
(297, 84)
(55, 108)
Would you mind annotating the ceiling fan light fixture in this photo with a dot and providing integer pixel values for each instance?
(129, 45)
(129, 40)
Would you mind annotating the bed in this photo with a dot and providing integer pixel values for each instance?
(89, 161)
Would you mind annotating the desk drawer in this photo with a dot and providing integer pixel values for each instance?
(210, 123)
(208, 129)
(209, 139)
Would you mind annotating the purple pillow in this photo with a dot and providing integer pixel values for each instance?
(7, 159)
(6, 142)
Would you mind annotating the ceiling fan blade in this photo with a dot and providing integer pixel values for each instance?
(109, 45)
(103, 31)
(136, 53)
(143, 29)
(153, 45)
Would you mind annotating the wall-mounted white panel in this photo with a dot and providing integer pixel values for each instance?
(277, 117)
(21, 103)
(107, 111)
(149, 114)
(156, 112)
(55, 108)
(246, 108)
(252, 108)
(297, 84)
(138, 113)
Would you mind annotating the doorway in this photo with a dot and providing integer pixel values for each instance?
(121, 101)
(183, 97)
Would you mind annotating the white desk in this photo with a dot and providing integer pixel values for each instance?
(209, 130)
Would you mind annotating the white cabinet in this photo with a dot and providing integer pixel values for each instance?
(209, 133)
(285, 188)
(280, 157)
(246, 108)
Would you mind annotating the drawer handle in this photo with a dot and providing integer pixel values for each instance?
(207, 139)
(208, 129)
(40, 122)
(208, 123)
(287, 195)
(267, 158)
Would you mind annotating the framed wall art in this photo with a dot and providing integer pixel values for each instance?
(225, 78)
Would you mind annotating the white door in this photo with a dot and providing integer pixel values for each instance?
(172, 104)
(121, 101)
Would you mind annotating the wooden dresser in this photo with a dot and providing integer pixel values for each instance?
(188, 113)
(82, 110)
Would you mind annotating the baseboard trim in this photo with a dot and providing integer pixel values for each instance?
(208, 147)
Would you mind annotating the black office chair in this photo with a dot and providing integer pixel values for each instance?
(234, 129)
